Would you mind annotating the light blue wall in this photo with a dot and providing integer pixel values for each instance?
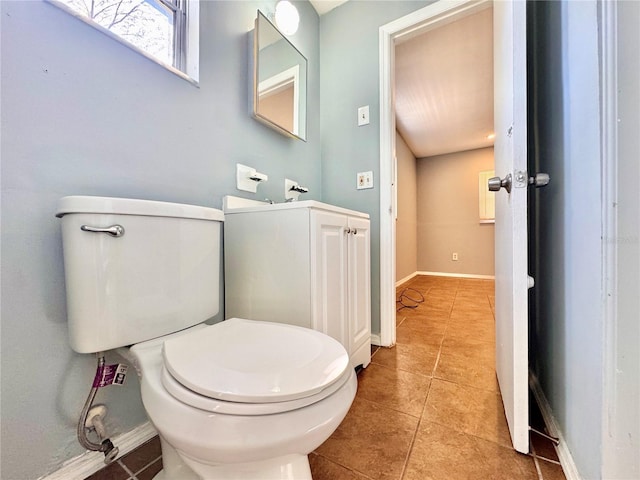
(83, 114)
(567, 332)
(349, 79)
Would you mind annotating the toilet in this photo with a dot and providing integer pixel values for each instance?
(239, 399)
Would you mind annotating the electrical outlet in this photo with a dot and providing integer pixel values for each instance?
(454, 256)
(364, 180)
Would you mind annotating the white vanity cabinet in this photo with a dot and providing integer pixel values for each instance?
(302, 263)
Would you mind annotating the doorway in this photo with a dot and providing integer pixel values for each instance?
(402, 30)
(510, 123)
(443, 94)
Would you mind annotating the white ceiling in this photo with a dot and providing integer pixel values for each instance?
(324, 6)
(444, 87)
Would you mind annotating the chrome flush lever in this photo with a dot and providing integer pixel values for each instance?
(114, 230)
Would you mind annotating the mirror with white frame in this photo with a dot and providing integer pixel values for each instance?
(279, 81)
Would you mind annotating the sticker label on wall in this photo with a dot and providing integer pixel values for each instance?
(111, 375)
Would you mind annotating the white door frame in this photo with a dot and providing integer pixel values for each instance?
(402, 29)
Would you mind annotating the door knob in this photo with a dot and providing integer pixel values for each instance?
(496, 183)
(539, 180)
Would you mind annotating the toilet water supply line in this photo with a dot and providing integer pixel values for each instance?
(95, 423)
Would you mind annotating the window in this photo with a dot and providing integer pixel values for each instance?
(487, 199)
(167, 31)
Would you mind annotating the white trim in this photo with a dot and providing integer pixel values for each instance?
(375, 340)
(89, 463)
(566, 460)
(444, 274)
(611, 455)
(387, 189)
(436, 14)
(459, 275)
(406, 279)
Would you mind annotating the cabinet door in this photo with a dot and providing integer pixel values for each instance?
(359, 290)
(329, 275)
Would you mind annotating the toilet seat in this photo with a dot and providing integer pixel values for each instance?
(189, 397)
(248, 367)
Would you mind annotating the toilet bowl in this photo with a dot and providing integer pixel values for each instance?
(240, 399)
(263, 429)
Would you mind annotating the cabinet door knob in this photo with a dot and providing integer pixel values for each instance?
(354, 231)
(347, 231)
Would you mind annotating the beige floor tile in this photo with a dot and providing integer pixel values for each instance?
(396, 389)
(475, 368)
(373, 440)
(473, 351)
(438, 302)
(432, 311)
(473, 294)
(442, 453)
(420, 310)
(444, 282)
(472, 308)
(473, 285)
(411, 336)
(414, 358)
(324, 469)
(466, 315)
(468, 410)
(428, 323)
(468, 345)
(472, 331)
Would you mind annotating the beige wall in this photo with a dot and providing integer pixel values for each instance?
(278, 108)
(448, 221)
(406, 223)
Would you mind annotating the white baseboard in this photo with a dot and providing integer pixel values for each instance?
(458, 275)
(90, 462)
(375, 340)
(445, 274)
(566, 460)
(406, 279)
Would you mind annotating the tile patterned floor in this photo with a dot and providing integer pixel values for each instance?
(428, 408)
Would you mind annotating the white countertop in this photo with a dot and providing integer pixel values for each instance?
(232, 205)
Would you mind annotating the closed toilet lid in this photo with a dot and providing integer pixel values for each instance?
(255, 362)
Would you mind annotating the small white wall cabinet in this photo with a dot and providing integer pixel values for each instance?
(303, 263)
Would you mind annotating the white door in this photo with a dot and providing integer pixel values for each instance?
(510, 123)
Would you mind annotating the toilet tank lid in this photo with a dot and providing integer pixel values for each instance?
(131, 206)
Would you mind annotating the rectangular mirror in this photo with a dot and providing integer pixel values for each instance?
(279, 81)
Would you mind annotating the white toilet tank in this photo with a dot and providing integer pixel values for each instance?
(159, 274)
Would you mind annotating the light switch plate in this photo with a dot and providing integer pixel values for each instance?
(363, 115)
(364, 180)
